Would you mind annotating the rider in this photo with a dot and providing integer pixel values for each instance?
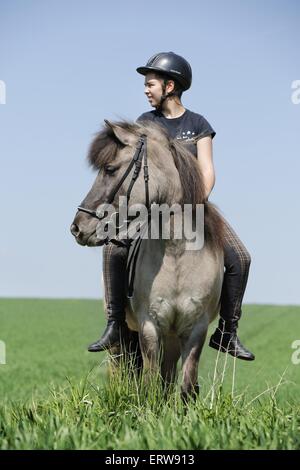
(167, 76)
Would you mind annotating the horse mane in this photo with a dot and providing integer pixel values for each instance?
(193, 192)
(105, 146)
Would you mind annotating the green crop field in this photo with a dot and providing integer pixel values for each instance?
(56, 395)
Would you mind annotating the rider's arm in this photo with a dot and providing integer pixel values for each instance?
(205, 160)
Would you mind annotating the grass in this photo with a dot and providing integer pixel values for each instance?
(56, 395)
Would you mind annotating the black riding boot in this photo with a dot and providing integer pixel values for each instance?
(225, 339)
(112, 336)
(114, 275)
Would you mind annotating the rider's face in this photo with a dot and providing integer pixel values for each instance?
(153, 89)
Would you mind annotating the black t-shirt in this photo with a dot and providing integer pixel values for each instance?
(188, 128)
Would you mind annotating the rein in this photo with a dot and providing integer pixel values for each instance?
(136, 162)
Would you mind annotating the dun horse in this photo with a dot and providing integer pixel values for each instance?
(176, 290)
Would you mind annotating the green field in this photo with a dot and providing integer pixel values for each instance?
(56, 395)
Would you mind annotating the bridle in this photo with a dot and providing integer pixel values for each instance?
(136, 161)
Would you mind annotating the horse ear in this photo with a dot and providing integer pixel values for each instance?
(123, 135)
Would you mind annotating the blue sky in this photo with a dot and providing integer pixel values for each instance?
(67, 65)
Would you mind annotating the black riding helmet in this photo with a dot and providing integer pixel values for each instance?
(171, 65)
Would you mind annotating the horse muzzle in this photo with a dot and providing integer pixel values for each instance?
(84, 230)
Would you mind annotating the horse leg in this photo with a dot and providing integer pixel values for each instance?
(170, 356)
(191, 348)
(134, 352)
(149, 343)
(127, 354)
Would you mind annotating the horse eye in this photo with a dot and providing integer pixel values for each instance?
(109, 170)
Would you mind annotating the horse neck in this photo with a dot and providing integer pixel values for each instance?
(165, 179)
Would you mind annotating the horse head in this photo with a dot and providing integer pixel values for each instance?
(112, 154)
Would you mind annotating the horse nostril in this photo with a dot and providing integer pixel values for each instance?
(74, 230)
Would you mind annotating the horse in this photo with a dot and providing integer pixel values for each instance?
(176, 290)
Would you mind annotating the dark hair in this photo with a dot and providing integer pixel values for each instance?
(177, 87)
